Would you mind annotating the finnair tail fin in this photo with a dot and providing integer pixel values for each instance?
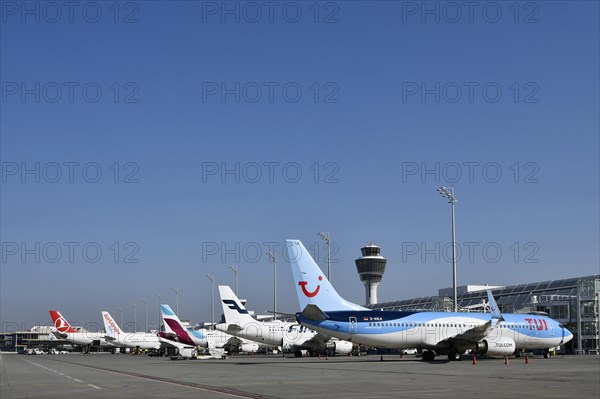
(233, 309)
(61, 324)
(110, 325)
(312, 286)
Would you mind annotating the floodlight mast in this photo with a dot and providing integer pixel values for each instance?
(273, 258)
(234, 269)
(449, 194)
(176, 291)
(211, 277)
(327, 238)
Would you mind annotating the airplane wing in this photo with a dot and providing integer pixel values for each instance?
(317, 342)
(234, 341)
(167, 343)
(60, 335)
(472, 335)
(318, 339)
(477, 333)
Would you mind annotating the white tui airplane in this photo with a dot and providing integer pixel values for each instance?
(77, 335)
(289, 336)
(217, 342)
(434, 333)
(135, 340)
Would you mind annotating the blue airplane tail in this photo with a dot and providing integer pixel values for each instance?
(312, 286)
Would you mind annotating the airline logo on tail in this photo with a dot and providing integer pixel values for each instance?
(312, 287)
(306, 292)
(61, 324)
(233, 305)
(111, 323)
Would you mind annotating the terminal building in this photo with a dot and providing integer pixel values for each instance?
(38, 337)
(575, 302)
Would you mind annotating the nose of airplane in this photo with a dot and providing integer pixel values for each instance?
(567, 335)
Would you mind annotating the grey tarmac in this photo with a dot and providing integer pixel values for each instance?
(117, 376)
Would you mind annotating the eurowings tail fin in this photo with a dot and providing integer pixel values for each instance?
(61, 324)
(233, 309)
(110, 325)
(170, 319)
(312, 287)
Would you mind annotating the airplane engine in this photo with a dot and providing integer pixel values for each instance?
(501, 346)
(342, 347)
(248, 348)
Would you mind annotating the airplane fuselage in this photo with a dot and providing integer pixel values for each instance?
(392, 329)
(85, 338)
(287, 335)
(137, 340)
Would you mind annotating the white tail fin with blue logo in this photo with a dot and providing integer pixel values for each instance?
(312, 286)
(233, 309)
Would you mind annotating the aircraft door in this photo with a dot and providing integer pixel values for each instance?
(353, 325)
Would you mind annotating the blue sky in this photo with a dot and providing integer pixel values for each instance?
(344, 120)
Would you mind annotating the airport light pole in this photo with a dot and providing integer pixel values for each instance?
(211, 277)
(273, 258)
(159, 302)
(134, 316)
(121, 316)
(327, 238)
(234, 269)
(449, 194)
(145, 314)
(176, 291)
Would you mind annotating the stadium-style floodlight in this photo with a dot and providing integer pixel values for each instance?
(234, 269)
(134, 316)
(211, 277)
(159, 302)
(145, 314)
(273, 258)
(449, 194)
(176, 291)
(327, 238)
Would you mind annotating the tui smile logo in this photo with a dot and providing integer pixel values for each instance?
(309, 294)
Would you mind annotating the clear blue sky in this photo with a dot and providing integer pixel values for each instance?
(388, 90)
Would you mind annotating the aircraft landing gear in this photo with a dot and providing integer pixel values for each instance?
(298, 353)
(452, 356)
(428, 356)
(546, 354)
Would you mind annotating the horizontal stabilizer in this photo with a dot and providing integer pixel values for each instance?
(291, 315)
(312, 312)
(233, 328)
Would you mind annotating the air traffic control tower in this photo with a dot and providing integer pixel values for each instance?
(370, 267)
